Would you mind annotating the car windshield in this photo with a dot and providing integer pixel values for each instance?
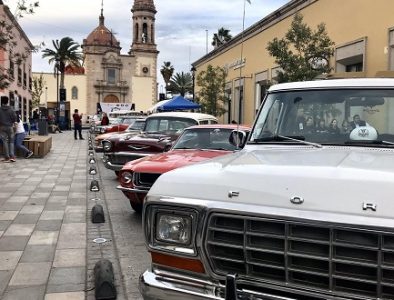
(136, 125)
(168, 124)
(337, 116)
(205, 138)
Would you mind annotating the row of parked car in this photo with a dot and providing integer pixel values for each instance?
(141, 148)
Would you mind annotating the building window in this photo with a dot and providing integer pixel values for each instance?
(74, 93)
(391, 50)
(350, 57)
(11, 70)
(111, 76)
(19, 75)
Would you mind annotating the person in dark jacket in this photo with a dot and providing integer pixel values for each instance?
(357, 122)
(77, 124)
(8, 120)
(104, 120)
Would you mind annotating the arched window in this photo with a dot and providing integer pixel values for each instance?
(145, 36)
(74, 93)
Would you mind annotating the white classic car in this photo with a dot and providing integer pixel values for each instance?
(304, 211)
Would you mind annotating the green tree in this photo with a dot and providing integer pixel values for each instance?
(167, 70)
(303, 53)
(222, 36)
(37, 90)
(211, 96)
(8, 40)
(66, 52)
(181, 83)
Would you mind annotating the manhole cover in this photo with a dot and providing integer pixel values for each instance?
(99, 240)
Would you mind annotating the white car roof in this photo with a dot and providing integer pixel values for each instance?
(335, 83)
(179, 114)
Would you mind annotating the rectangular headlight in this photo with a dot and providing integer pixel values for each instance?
(172, 228)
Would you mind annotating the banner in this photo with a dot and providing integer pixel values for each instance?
(109, 107)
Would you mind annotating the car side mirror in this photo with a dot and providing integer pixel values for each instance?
(238, 138)
(167, 147)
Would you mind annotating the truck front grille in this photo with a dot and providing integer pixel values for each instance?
(334, 259)
(145, 180)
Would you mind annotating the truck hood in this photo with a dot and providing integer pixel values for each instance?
(173, 159)
(330, 180)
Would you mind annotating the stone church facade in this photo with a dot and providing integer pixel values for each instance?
(112, 77)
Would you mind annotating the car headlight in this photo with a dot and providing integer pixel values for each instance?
(126, 177)
(102, 130)
(107, 146)
(173, 228)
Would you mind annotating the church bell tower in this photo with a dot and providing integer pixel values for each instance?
(143, 27)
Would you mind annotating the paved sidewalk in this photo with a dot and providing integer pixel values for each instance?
(43, 223)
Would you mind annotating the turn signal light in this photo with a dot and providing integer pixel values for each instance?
(188, 264)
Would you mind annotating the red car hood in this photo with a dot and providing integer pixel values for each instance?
(170, 160)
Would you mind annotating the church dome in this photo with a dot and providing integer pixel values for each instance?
(101, 36)
(144, 5)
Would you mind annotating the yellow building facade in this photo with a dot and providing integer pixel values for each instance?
(362, 30)
(75, 85)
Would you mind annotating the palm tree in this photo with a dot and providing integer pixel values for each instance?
(181, 83)
(166, 71)
(222, 36)
(66, 53)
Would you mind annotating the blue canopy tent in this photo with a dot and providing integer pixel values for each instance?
(178, 103)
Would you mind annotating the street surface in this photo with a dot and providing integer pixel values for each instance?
(46, 234)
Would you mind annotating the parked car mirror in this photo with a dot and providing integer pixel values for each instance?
(238, 138)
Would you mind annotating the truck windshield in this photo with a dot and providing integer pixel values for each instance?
(336, 116)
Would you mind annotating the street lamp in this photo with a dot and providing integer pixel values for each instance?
(193, 71)
(57, 66)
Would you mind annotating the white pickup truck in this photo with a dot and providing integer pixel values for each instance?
(304, 211)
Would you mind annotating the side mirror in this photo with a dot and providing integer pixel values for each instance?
(167, 147)
(238, 138)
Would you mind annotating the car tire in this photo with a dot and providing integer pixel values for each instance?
(136, 206)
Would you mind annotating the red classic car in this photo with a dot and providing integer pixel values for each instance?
(120, 124)
(134, 128)
(158, 135)
(197, 143)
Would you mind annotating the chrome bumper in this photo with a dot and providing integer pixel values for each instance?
(112, 166)
(125, 189)
(156, 287)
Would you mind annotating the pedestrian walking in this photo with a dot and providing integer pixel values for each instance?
(20, 135)
(7, 122)
(77, 124)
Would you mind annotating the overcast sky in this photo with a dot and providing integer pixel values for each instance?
(181, 25)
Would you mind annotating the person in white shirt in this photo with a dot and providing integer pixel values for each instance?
(19, 137)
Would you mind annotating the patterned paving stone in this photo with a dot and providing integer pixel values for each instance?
(48, 215)
(9, 259)
(19, 229)
(43, 238)
(32, 209)
(31, 274)
(13, 243)
(8, 215)
(65, 296)
(38, 253)
(26, 219)
(70, 258)
(22, 293)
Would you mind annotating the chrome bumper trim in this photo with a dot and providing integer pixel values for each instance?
(112, 166)
(154, 287)
(125, 189)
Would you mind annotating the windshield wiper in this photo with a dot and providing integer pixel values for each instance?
(280, 138)
(375, 142)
